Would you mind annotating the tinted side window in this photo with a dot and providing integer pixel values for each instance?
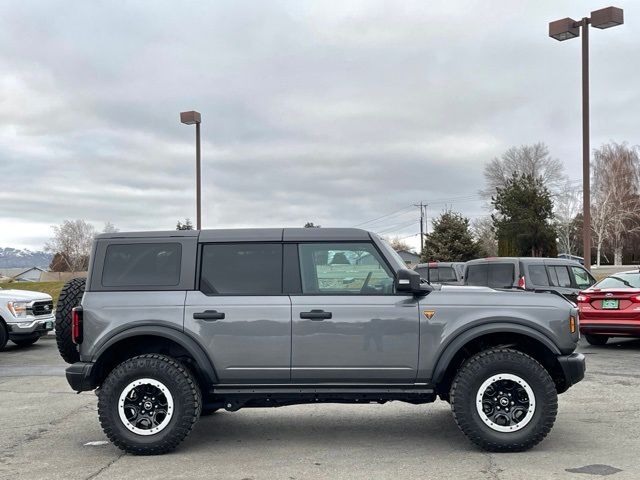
(561, 276)
(241, 269)
(501, 275)
(477, 275)
(538, 275)
(142, 264)
(343, 268)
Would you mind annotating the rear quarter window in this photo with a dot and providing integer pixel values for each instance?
(142, 264)
(538, 275)
(494, 275)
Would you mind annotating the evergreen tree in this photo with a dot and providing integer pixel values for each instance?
(523, 219)
(451, 240)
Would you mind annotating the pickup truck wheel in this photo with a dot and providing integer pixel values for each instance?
(148, 404)
(596, 339)
(503, 400)
(70, 297)
(4, 336)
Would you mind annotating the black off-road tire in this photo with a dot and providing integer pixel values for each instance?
(26, 342)
(70, 297)
(183, 387)
(598, 340)
(483, 366)
(4, 336)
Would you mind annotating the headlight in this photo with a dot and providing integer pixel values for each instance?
(18, 309)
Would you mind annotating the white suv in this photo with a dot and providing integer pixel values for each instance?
(24, 316)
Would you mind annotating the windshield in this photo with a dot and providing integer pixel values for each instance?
(620, 280)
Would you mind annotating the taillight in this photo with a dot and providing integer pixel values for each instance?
(635, 299)
(522, 283)
(76, 325)
(583, 298)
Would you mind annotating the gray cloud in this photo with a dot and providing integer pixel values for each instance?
(334, 112)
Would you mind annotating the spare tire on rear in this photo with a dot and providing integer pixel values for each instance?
(70, 297)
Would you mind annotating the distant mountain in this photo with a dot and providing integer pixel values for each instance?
(16, 258)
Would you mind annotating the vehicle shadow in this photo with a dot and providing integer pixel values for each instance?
(615, 343)
(333, 427)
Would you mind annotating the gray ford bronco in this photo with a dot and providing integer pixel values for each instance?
(174, 325)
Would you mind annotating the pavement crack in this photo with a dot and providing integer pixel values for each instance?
(106, 467)
(492, 470)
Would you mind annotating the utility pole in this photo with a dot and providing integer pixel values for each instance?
(423, 208)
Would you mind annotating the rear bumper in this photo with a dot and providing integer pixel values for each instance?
(573, 367)
(79, 376)
(613, 329)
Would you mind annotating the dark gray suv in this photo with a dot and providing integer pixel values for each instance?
(528, 273)
(174, 325)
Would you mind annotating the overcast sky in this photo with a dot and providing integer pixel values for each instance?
(335, 112)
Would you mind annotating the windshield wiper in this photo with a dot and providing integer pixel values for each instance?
(623, 281)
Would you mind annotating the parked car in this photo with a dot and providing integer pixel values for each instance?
(445, 273)
(611, 308)
(175, 324)
(529, 273)
(24, 316)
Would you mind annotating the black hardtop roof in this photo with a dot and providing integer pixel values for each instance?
(252, 234)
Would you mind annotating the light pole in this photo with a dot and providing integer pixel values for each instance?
(190, 118)
(566, 29)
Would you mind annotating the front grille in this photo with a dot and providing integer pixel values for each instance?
(44, 307)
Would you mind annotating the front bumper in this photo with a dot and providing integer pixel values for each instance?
(30, 326)
(573, 366)
(79, 375)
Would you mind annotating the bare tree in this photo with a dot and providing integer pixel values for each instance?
(567, 206)
(109, 228)
(616, 178)
(398, 244)
(72, 240)
(534, 160)
(484, 234)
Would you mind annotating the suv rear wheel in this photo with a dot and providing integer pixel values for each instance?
(148, 404)
(503, 400)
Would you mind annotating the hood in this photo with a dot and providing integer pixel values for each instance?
(23, 295)
(466, 288)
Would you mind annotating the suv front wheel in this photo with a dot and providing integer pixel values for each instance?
(148, 404)
(503, 400)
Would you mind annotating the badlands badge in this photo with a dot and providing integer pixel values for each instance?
(429, 313)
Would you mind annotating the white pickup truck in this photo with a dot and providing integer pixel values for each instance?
(24, 316)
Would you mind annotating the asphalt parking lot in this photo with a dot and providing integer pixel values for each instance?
(49, 432)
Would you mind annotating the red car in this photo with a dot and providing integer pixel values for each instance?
(611, 308)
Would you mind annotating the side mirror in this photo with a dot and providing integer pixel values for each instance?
(408, 281)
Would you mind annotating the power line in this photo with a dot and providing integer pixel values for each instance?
(384, 216)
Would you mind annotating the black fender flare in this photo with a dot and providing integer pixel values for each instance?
(465, 337)
(203, 362)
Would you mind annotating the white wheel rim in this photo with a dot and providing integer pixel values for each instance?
(148, 414)
(505, 406)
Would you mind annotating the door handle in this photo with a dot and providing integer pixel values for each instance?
(316, 315)
(209, 315)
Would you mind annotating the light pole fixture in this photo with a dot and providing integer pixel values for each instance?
(566, 29)
(191, 118)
